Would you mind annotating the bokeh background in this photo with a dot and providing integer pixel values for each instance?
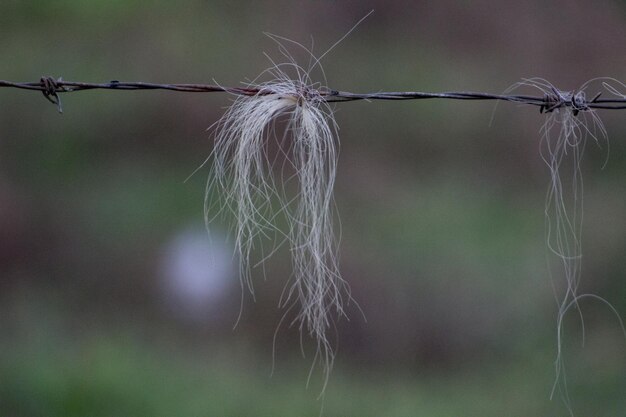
(110, 306)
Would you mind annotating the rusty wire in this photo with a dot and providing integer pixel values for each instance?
(51, 88)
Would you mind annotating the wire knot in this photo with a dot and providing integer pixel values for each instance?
(577, 100)
(49, 89)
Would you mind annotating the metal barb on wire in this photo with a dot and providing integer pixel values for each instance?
(50, 89)
(576, 100)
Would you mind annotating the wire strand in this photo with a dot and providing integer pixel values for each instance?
(51, 88)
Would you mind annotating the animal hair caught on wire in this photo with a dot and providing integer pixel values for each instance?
(244, 173)
(564, 136)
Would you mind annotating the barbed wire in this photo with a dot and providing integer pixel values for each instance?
(576, 100)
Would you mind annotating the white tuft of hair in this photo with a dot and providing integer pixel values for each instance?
(255, 188)
(563, 138)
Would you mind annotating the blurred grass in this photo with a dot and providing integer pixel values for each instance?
(118, 375)
(122, 379)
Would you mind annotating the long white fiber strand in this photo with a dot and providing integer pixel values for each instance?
(563, 138)
(242, 173)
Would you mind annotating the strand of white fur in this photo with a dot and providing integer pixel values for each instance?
(563, 136)
(243, 173)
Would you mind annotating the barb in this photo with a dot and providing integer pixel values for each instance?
(576, 100)
(51, 87)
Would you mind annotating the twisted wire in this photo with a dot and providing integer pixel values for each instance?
(51, 88)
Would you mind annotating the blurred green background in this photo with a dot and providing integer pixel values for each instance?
(110, 306)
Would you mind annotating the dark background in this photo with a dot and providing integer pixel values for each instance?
(109, 305)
